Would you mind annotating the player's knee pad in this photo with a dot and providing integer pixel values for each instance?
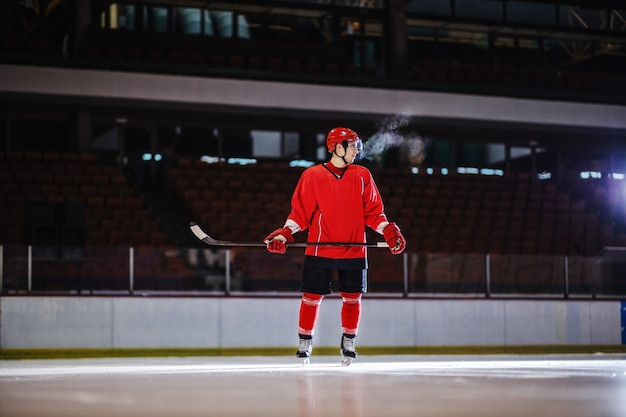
(312, 299)
(351, 297)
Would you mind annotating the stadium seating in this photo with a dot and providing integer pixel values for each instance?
(460, 215)
(81, 215)
(439, 214)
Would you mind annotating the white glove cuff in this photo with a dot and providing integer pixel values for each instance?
(293, 226)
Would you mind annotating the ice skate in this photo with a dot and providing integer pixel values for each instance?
(348, 354)
(305, 348)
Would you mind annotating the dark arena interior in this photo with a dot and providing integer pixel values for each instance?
(495, 131)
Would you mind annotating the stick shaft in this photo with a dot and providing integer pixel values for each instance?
(200, 234)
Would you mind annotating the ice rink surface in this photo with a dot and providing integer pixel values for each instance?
(385, 386)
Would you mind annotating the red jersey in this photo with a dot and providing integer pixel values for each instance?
(336, 208)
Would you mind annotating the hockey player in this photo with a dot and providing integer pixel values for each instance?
(335, 201)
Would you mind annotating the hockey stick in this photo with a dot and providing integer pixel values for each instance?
(214, 242)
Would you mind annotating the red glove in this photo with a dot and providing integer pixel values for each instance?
(394, 238)
(278, 239)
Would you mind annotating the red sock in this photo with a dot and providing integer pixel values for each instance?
(350, 312)
(309, 312)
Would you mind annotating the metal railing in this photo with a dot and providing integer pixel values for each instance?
(144, 270)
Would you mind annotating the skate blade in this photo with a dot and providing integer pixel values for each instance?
(346, 361)
(305, 361)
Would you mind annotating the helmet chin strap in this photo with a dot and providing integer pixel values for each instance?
(343, 158)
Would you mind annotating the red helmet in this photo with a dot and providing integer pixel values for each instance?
(340, 135)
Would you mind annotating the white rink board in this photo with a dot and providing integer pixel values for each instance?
(234, 322)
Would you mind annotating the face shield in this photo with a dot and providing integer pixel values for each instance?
(355, 145)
